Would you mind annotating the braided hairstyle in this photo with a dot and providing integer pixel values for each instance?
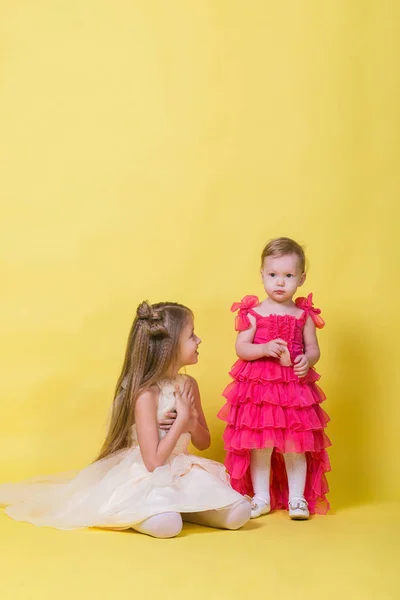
(152, 351)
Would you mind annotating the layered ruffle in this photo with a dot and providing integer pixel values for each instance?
(266, 370)
(268, 406)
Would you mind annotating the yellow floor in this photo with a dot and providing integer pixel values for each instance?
(351, 554)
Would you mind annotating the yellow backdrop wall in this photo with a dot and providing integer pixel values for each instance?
(149, 150)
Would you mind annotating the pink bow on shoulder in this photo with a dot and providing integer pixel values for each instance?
(242, 321)
(306, 304)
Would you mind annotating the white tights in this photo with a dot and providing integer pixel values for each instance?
(169, 524)
(260, 467)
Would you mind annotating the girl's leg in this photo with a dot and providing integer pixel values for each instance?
(231, 517)
(296, 469)
(164, 525)
(260, 468)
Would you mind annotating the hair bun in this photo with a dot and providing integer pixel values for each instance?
(154, 319)
(144, 311)
(157, 329)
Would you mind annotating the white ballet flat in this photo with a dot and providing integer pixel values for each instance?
(298, 509)
(259, 507)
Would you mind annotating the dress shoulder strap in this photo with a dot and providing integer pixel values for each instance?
(242, 321)
(307, 305)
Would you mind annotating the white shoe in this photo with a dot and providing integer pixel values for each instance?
(259, 507)
(298, 509)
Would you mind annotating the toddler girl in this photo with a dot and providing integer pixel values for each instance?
(275, 439)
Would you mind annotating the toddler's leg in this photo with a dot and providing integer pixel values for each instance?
(296, 469)
(164, 525)
(232, 517)
(260, 468)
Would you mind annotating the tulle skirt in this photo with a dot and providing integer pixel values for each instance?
(118, 491)
(268, 406)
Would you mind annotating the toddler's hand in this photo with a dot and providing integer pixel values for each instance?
(301, 365)
(284, 358)
(275, 348)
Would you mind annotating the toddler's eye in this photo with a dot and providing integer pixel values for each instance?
(272, 274)
(289, 275)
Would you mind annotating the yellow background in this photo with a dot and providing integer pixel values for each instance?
(149, 149)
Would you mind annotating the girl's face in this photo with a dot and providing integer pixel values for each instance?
(281, 276)
(188, 345)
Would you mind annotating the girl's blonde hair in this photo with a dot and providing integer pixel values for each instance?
(152, 351)
(282, 247)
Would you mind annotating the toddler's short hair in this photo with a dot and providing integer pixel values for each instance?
(283, 246)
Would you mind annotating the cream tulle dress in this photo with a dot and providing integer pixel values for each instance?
(118, 491)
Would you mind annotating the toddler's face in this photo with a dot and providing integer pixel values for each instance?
(188, 345)
(282, 276)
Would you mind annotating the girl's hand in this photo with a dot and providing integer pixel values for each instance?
(168, 420)
(275, 348)
(301, 365)
(184, 404)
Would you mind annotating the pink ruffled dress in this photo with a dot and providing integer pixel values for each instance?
(268, 406)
